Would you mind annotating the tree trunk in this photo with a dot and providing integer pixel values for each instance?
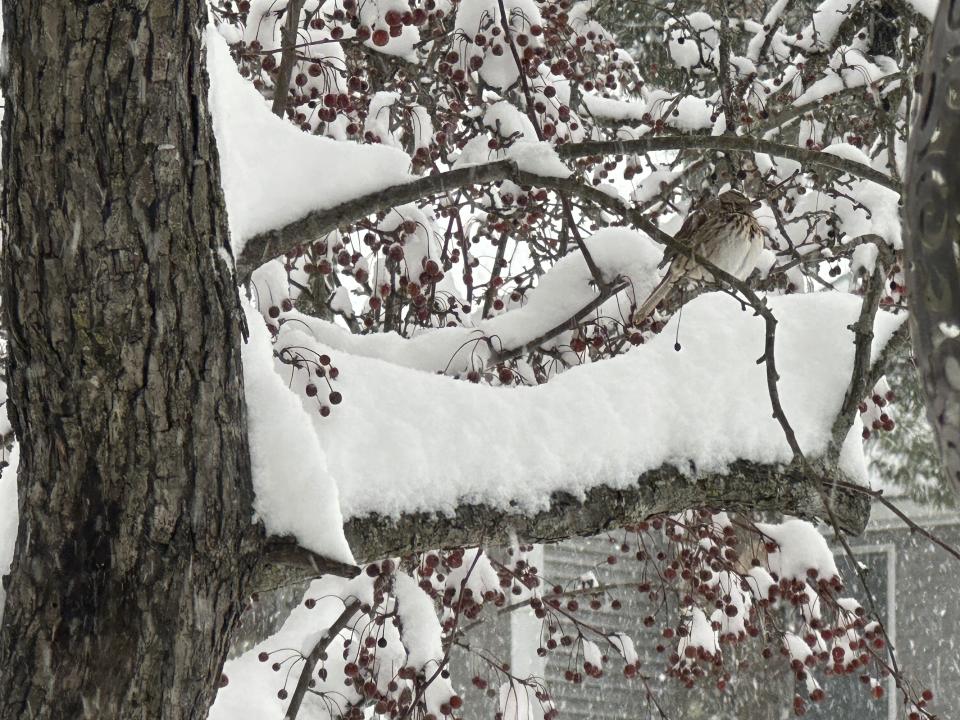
(932, 234)
(126, 393)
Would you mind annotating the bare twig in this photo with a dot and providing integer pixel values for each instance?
(289, 57)
(311, 660)
(532, 115)
(863, 339)
(891, 652)
(914, 527)
(605, 294)
(494, 273)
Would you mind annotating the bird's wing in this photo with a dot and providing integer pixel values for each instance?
(688, 231)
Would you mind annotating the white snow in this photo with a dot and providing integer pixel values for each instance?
(796, 647)
(927, 8)
(9, 520)
(772, 16)
(801, 548)
(603, 423)
(517, 702)
(848, 68)
(701, 635)
(252, 688)
(539, 158)
(295, 493)
(864, 258)
(688, 113)
(759, 581)
(561, 292)
(692, 40)
(273, 173)
(825, 23)
(421, 628)
(624, 645)
(480, 16)
(591, 653)
(876, 212)
(341, 302)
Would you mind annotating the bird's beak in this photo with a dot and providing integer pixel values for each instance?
(755, 205)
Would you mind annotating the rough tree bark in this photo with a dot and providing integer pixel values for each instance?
(932, 235)
(135, 538)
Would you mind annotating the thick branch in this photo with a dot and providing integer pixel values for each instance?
(726, 143)
(284, 561)
(266, 246)
(310, 663)
(747, 488)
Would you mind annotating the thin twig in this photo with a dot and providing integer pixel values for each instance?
(605, 294)
(909, 522)
(311, 661)
(532, 115)
(891, 653)
(289, 57)
(863, 339)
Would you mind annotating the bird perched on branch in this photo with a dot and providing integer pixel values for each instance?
(724, 232)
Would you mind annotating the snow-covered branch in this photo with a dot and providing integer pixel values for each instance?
(745, 487)
(603, 444)
(728, 143)
(272, 243)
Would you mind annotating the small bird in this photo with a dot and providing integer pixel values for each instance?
(722, 231)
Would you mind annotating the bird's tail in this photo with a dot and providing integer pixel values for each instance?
(659, 293)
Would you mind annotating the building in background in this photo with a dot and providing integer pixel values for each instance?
(914, 584)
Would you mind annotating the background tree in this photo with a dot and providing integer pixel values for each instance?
(931, 247)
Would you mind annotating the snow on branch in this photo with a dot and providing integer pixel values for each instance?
(626, 259)
(603, 444)
(284, 188)
(271, 243)
(272, 172)
(743, 486)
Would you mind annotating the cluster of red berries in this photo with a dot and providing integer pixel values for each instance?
(875, 413)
